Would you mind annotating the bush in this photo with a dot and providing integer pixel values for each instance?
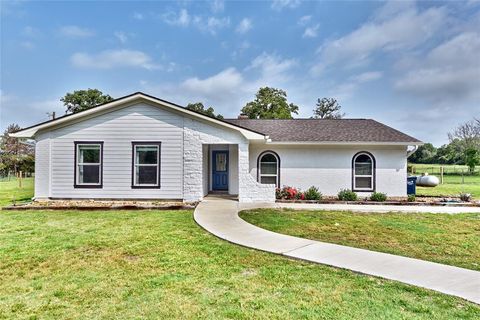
(378, 196)
(412, 198)
(347, 195)
(312, 193)
(465, 197)
(287, 193)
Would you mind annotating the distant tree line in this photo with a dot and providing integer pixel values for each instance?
(463, 148)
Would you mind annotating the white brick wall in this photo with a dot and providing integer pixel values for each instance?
(197, 133)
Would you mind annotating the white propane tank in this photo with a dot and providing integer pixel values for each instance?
(427, 181)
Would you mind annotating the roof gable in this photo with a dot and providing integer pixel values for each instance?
(128, 100)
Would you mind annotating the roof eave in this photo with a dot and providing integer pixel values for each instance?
(382, 143)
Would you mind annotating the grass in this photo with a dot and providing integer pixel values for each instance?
(444, 238)
(452, 186)
(160, 264)
(10, 191)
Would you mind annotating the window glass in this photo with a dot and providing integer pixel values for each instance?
(268, 180)
(147, 154)
(268, 169)
(88, 167)
(89, 174)
(146, 165)
(89, 154)
(363, 168)
(363, 172)
(221, 162)
(363, 182)
(146, 174)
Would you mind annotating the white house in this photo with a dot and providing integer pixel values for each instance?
(142, 147)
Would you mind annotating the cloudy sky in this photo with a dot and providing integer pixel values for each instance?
(414, 66)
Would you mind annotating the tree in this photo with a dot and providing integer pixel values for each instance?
(81, 100)
(270, 103)
(451, 153)
(14, 151)
(199, 107)
(468, 133)
(472, 159)
(424, 154)
(327, 108)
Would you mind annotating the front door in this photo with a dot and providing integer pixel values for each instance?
(220, 170)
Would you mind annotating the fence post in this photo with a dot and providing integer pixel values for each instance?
(441, 174)
(20, 179)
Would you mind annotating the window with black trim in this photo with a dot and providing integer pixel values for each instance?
(268, 168)
(146, 164)
(88, 164)
(363, 172)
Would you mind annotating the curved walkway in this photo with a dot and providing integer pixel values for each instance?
(220, 217)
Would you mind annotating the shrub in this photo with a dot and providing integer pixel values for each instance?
(301, 195)
(312, 193)
(347, 195)
(465, 197)
(411, 198)
(287, 193)
(378, 196)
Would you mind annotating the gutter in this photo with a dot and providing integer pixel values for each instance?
(410, 152)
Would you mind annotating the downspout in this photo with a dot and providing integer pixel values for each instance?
(410, 152)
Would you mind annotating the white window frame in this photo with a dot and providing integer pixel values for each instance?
(276, 175)
(135, 165)
(371, 176)
(78, 145)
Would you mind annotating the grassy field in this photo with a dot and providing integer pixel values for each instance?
(161, 265)
(10, 192)
(444, 238)
(453, 186)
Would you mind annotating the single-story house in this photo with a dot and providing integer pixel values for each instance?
(142, 147)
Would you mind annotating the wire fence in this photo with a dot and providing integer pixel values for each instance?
(455, 170)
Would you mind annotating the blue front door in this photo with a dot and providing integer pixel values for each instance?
(220, 170)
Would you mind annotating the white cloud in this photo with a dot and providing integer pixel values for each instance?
(212, 24)
(244, 26)
(367, 76)
(224, 82)
(272, 67)
(347, 88)
(137, 16)
(109, 59)
(449, 72)
(280, 4)
(121, 36)
(75, 32)
(393, 27)
(182, 18)
(303, 21)
(311, 32)
(217, 5)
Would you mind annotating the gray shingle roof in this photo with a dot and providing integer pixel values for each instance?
(325, 130)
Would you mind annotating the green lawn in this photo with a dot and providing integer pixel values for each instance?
(453, 186)
(162, 265)
(10, 191)
(444, 238)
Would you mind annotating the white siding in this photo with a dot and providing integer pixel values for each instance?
(42, 166)
(330, 168)
(117, 129)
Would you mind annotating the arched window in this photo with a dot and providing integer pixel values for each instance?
(363, 167)
(268, 168)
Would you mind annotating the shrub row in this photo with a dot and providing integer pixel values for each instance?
(312, 193)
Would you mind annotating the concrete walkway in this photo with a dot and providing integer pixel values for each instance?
(220, 217)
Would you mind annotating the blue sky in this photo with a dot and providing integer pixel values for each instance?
(412, 65)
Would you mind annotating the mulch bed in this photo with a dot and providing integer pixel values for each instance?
(420, 202)
(102, 205)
